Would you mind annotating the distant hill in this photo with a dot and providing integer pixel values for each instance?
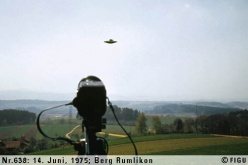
(190, 110)
(151, 107)
(243, 105)
(35, 106)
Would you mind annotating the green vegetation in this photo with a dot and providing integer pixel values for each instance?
(126, 116)
(222, 149)
(16, 131)
(170, 144)
(57, 128)
(14, 117)
(160, 135)
(161, 144)
(141, 127)
(191, 109)
(234, 123)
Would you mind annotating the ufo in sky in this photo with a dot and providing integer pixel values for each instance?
(110, 41)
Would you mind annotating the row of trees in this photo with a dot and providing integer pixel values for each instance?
(13, 117)
(234, 123)
(126, 116)
(188, 109)
(158, 128)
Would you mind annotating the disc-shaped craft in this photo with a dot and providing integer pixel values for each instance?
(110, 41)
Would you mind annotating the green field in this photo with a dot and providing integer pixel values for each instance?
(17, 131)
(170, 144)
(55, 128)
(166, 144)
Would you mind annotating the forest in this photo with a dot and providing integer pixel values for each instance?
(190, 109)
(15, 117)
(126, 116)
(233, 123)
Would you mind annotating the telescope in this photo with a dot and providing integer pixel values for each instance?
(91, 103)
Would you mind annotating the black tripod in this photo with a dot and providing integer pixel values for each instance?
(91, 144)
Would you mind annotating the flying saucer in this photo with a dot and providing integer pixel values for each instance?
(110, 41)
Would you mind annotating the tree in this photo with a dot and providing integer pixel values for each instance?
(126, 116)
(43, 144)
(141, 126)
(188, 125)
(156, 124)
(178, 123)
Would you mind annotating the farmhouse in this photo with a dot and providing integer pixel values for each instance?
(9, 146)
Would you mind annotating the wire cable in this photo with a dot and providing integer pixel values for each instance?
(40, 130)
(112, 108)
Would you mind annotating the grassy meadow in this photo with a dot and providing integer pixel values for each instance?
(170, 144)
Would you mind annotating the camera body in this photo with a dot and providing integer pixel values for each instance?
(91, 102)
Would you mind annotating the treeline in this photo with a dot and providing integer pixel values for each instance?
(14, 117)
(184, 109)
(126, 116)
(234, 123)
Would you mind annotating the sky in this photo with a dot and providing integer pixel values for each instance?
(165, 50)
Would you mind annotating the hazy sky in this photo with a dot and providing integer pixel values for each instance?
(166, 50)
